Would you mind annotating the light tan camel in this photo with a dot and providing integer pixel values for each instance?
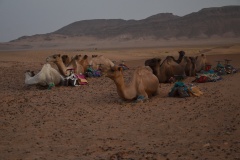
(65, 71)
(168, 69)
(47, 76)
(105, 63)
(201, 62)
(143, 83)
(193, 67)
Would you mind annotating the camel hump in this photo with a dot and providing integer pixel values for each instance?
(143, 70)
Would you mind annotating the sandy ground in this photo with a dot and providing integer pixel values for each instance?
(89, 122)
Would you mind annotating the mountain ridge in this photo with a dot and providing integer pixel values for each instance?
(207, 22)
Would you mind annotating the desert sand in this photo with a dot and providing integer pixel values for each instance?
(89, 122)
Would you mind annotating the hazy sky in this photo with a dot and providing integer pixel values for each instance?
(28, 17)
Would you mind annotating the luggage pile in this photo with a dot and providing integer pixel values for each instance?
(182, 90)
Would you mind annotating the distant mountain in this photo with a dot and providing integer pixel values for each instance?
(217, 21)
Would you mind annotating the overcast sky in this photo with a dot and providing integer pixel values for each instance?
(28, 17)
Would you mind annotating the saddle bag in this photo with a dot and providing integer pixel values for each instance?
(182, 92)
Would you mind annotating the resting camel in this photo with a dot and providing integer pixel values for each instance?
(201, 62)
(193, 67)
(47, 76)
(167, 69)
(105, 63)
(56, 58)
(143, 83)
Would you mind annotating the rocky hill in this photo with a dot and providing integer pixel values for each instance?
(208, 22)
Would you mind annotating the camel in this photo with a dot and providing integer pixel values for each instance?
(193, 61)
(201, 62)
(47, 76)
(104, 62)
(65, 71)
(143, 84)
(190, 68)
(168, 69)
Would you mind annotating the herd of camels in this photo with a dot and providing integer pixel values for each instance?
(144, 81)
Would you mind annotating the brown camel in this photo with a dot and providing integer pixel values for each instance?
(143, 83)
(65, 71)
(168, 69)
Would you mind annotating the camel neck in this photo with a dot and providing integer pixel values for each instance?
(179, 60)
(62, 68)
(120, 83)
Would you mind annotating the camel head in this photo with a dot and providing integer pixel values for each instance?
(54, 58)
(114, 72)
(78, 57)
(202, 57)
(65, 59)
(29, 73)
(85, 57)
(181, 53)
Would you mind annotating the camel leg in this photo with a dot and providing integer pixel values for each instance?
(142, 95)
